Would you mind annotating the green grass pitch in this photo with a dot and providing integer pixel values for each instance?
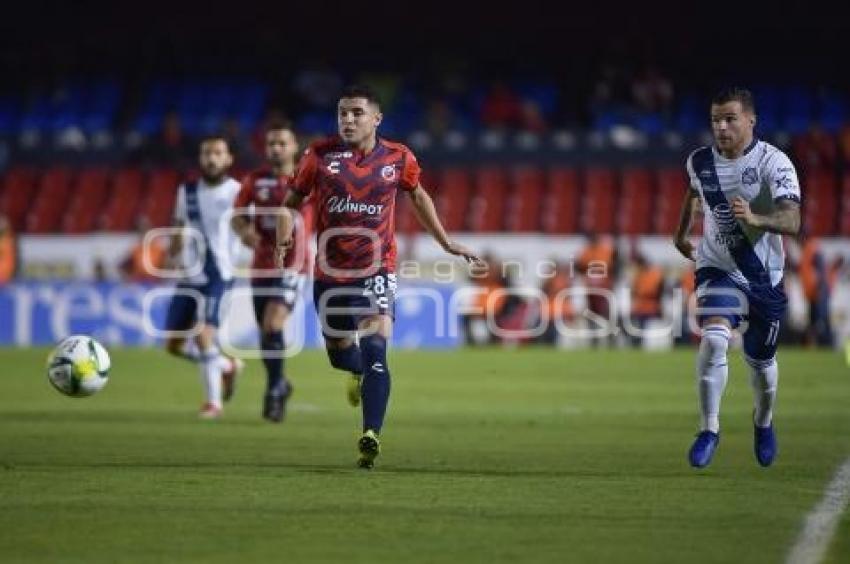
(488, 456)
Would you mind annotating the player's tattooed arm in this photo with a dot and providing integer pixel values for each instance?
(426, 214)
(784, 219)
(686, 219)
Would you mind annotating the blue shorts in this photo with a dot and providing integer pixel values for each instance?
(765, 309)
(352, 301)
(280, 289)
(185, 309)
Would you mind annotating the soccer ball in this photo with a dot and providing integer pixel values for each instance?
(78, 366)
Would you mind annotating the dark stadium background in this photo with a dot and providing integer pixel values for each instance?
(567, 147)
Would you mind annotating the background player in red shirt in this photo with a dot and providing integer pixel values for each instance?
(353, 179)
(274, 291)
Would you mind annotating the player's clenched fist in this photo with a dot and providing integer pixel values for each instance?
(742, 211)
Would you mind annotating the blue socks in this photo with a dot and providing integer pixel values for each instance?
(276, 383)
(375, 389)
(346, 359)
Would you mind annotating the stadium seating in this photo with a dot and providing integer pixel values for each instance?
(637, 199)
(122, 204)
(526, 193)
(52, 193)
(520, 199)
(844, 209)
(453, 198)
(89, 196)
(203, 105)
(158, 200)
(672, 187)
(820, 203)
(599, 198)
(18, 188)
(561, 203)
(487, 208)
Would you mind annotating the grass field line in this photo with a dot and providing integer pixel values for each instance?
(822, 521)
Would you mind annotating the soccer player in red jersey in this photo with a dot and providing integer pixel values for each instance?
(353, 178)
(275, 291)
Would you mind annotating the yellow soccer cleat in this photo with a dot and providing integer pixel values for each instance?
(369, 447)
(352, 387)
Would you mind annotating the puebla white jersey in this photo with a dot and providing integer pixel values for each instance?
(763, 176)
(207, 211)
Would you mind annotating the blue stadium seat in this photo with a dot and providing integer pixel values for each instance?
(832, 112)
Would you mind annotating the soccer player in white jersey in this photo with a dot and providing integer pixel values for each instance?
(750, 197)
(203, 256)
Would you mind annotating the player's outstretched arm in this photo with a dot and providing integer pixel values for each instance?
(285, 226)
(426, 214)
(784, 219)
(686, 218)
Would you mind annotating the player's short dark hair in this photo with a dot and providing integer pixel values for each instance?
(361, 91)
(280, 125)
(735, 94)
(217, 137)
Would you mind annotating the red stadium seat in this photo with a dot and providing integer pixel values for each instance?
(487, 209)
(18, 191)
(599, 199)
(87, 201)
(561, 202)
(844, 214)
(52, 197)
(123, 201)
(453, 198)
(672, 186)
(637, 196)
(159, 197)
(525, 198)
(820, 203)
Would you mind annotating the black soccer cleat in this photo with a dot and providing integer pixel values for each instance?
(274, 405)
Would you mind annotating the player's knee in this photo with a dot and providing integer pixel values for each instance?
(348, 359)
(764, 373)
(760, 365)
(715, 341)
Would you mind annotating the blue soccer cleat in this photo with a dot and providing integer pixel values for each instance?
(764, 444)
(703, 449)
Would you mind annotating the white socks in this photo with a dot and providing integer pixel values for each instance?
(210, 368)
(190, 353)
(712, 373)
(764, 376)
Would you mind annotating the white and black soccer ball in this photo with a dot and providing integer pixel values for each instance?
(78, 366)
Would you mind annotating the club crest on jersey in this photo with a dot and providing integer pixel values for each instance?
(388, 173)
(749, 176)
